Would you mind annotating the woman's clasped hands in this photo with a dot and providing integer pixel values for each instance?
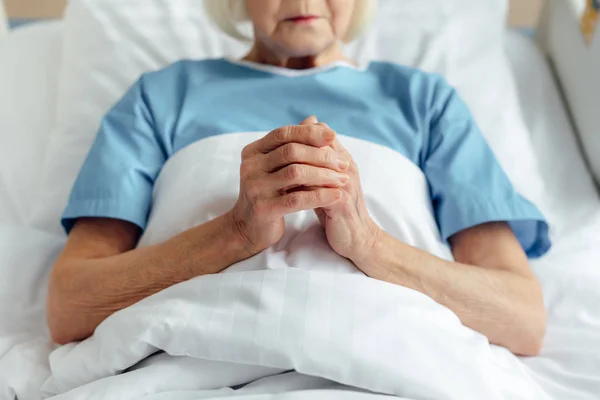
(299, 168)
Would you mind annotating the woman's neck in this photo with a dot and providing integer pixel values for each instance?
(262, 55)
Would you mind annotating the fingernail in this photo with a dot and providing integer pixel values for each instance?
(343, 165)
(344, 179)
(312, 120)
(329, 134)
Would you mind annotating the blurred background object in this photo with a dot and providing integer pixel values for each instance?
(524, 13)
(589, 20)
(34, 9)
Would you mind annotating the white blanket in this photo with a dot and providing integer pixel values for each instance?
(298, 306)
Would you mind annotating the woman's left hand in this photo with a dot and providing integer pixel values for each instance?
(350, 230)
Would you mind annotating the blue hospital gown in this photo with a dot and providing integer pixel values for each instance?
(412, 112)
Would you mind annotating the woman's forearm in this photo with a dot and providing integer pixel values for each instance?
(87, 291)
(505, 307)
(98, 274)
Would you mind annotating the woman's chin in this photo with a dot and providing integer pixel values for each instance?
(307, 48)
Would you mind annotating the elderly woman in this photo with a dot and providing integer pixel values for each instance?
(296, 69)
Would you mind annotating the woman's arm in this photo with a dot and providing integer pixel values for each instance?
(99, 272)
(490, 287)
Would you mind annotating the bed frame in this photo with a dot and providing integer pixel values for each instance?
(577, 69)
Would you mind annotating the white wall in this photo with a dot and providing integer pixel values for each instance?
(3, 22)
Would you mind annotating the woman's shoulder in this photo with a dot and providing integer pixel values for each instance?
(184, 71)
(406, 77)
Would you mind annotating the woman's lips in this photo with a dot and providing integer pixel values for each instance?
(303, 19)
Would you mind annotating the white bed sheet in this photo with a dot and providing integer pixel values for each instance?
(24, 343)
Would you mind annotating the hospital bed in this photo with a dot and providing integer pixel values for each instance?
(558, 94)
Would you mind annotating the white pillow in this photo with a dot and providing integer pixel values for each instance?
(110, 43)
(29, 63)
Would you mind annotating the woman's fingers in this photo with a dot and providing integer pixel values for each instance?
(295, 153)
(296, 175)
(310, 135)
(310, 121)
(304, 200)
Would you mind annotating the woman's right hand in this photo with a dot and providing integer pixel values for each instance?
(291, 169)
